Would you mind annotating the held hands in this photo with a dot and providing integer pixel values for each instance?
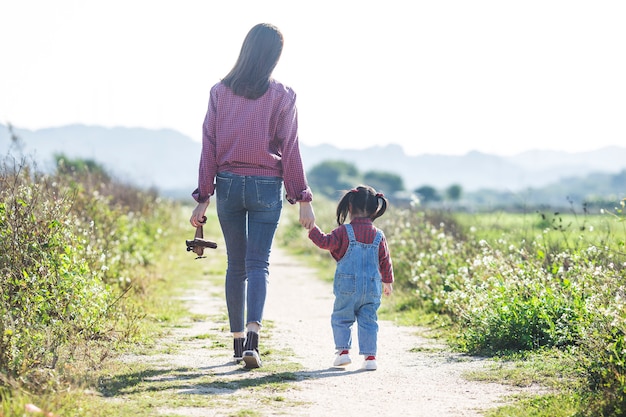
(307, 217)
(197, 216)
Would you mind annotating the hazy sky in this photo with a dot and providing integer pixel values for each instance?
(434, 76)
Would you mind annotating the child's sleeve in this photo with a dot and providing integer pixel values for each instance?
(323, 240)
(332, 242)
(384, 261)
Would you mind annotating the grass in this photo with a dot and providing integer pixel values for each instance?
(573, 229)
(551, 369)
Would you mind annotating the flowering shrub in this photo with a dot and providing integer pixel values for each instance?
(427, 251)
(561, 290)
(508, 303)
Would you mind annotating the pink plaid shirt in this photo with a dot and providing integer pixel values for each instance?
(252, 137)
(337, 243)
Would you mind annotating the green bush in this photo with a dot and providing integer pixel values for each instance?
(48, 294)
(509, 303)
(75, 252)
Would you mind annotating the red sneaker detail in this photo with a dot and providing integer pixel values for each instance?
(370, 358)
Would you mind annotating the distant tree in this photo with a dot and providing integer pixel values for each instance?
(618, 181)
(453, 192)
(329, 177)
(385, 182)
(427, 194)
(78, 166)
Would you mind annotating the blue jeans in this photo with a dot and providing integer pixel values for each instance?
(358, 289)
(248, 208)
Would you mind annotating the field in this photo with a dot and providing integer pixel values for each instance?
(542, 292)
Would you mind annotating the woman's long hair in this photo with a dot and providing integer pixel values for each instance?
(363, 199)
(261, 49)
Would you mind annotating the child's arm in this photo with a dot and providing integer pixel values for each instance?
(331, 241)
(386, 267)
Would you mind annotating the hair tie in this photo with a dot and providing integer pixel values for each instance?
(380, 195)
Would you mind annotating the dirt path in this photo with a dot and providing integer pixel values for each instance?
(415, 376)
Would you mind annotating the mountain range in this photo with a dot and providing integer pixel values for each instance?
(168, 160)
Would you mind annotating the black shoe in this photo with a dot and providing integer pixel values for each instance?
(251, 351)
(238, 343)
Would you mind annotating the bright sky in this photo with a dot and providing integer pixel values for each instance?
(435, 76)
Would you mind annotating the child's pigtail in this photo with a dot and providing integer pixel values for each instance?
(343, 207)
(382, 206)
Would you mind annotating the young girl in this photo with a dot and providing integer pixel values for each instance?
(363, 273)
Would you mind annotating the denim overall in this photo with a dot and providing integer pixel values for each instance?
(358, 289)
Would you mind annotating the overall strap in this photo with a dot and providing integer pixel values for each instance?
(350, 232)
(378, 238)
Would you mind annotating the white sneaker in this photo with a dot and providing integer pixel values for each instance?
(342, 358)
(369, 365)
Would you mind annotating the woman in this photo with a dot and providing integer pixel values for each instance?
(249, 151)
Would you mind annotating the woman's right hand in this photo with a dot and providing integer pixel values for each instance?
(198, 215)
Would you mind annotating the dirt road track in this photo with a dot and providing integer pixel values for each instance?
(416, 376)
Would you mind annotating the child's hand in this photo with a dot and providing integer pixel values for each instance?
(387, 288)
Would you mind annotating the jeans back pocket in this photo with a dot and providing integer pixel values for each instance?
(269, 192)
(222, 188)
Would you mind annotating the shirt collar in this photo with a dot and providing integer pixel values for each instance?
(361, 220)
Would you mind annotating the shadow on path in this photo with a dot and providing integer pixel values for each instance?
(206, 380)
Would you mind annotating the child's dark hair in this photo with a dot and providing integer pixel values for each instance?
(363, 199)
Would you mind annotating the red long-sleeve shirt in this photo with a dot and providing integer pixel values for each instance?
(337, 243)
(252, 137)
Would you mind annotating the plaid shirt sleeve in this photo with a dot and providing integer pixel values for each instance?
(336, 242)
(384, 261)
(294, 177)
(208, 159)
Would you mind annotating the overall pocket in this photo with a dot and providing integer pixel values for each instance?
(344, 284)
(375, 287)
